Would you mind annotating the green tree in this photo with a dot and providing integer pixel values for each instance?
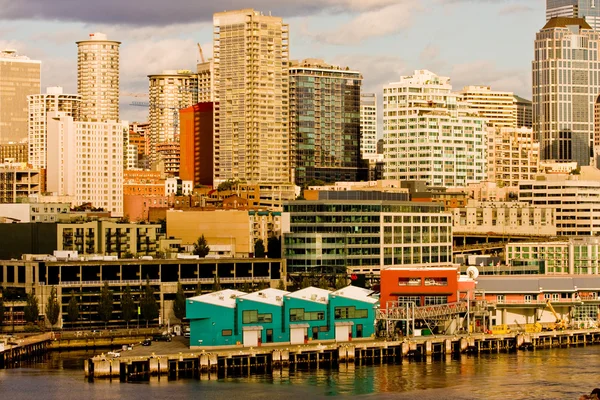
(259, 249)
(32, 310)
(281, 285)
(340, 283)
(128, 309)
(201, 247)
(323, 283)
(305, 283)
(148, 304)
(274, 247)
(106, 304)
(73, 309)
(179, 303)
(217, 284)
(1, 311)
(198, 289)
(52, 308)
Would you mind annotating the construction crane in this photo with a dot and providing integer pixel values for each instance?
(201, 53)
(560, 323)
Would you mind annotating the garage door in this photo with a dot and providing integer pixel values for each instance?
(297, 335)
(342, 333)
(251, 338)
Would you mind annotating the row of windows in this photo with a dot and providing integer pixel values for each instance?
(299, 314)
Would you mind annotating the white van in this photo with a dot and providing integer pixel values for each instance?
(186, 332)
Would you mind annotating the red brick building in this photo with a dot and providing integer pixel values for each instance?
(196, 140)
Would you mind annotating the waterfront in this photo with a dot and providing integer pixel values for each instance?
(543, 374)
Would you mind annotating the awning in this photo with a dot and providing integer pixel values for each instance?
(347, 323)
(252, 328)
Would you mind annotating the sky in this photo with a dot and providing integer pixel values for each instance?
(474, 42)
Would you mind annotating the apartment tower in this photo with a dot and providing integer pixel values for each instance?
(19, 78)
(368, 125)
(98, 78)
(565, 87)
(251, 87)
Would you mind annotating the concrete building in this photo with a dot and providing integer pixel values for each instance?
(429, 135)
(576, 199)
(137, 182)
(178, 186)
(33, 212)
(328, 150)
(586, 9)
(524, 112)
(206, 87)
(14, 152)
(498, 108)
(368, 125)
(85, 159)
(364, 235)
(572, 256)
(512, 155)
(499, 218)
(19, 78)
(139, 137)
(566, 83)
(39, 105)
(251, 86)
(18, 181)
(169, 92)
(98, 78)
(196, 162)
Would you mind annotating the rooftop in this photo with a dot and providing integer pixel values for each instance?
(311, 293)
(356, 293)
(563, 22)
(223, 298)
(267, 296)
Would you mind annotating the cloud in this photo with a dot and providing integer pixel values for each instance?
(486, 73)
(514, 9)
(160, 12)
(379, 22)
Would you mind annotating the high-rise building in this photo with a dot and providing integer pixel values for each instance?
(498, 108)
(368, 125)
(14, 152)
(169, 92)
(197, 144)
(19, 78)
(251, 86)
(512, 155)
(430, 135)
(206, 90)
(524, 112)
(54, 100)
(85, 160)
(566, 82)
(98, 78)
(324, 122)
(586, 9)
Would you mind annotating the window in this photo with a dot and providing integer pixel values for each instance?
(226, 332)
(350, 313)
(436, 281)
(500, 298)
(409, 281)
(299, 314)
(249, 316)
(528, 298)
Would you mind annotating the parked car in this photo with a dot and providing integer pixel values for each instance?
(186, 333)
(162, 338)
(147, 342)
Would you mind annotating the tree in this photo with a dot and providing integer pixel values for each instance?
(259, 249)
(1, 310)
(52, 308)
(105, 305)
(305, 283)
(198, 289)
(128, 309)
(281, 285)
(73, 309)
(274, 247)
(179, 303)
(323, 283)
(201, 247)
(216, 285)
(32, 310)
(148, 304)
(340, 283)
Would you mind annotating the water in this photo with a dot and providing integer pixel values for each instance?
(541, 374)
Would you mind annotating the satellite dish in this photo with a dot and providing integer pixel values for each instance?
(472, 272)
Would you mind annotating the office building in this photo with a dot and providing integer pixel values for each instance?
(251, 86)
(524, 112)
(430, 135)
(368, 125)
(85, 160)
(196, 161)
(512, 155)
(327, 150)
(39, 105)
(586, 9)
(498, 108)
(14, 152)
(565, 87)
(98, 78)
(19, 78)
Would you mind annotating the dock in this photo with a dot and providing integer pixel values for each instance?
(221, 362)
(16, 350)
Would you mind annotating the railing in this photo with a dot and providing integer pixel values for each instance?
(543, 302)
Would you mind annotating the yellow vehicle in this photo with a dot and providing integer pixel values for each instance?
(560, 324)
(530, 328)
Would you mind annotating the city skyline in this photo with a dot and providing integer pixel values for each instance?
(383, 39)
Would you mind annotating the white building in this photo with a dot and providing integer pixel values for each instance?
(252, 88)
(175, 185)
(575, 197)
(368, 125)
(98, 78)
(54, 100)
(430, 135)
(32, 212)
(503, 218)
(85, 160)
(512, 155)
(498, 108)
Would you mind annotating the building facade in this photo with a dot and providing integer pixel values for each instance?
(251, 86)
(524, 112)
(14, 152)
(196, 162)
(512, 155)
(39, 105)
(364, 236)
(586, 9)
(18, 182)
(368, 125)
(429, 135)
(19, 78)
(498, 108)
(327, 150)
(566, 83)
(98, 78)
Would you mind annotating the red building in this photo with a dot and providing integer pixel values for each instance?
(196, 139)
(423, 286)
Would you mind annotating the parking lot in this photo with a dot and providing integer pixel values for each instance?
(178, 344)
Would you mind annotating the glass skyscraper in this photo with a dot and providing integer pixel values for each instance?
(586, 9)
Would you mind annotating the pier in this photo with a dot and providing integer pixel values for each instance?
(15, 350)
(220, 362)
